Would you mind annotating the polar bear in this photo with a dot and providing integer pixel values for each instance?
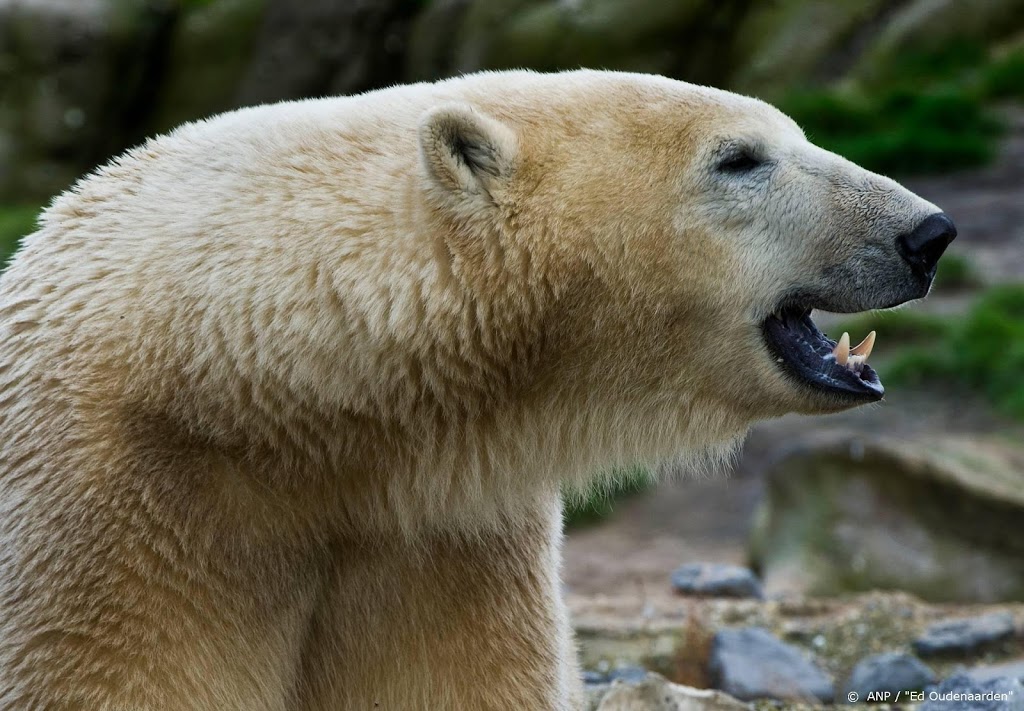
(287, 396)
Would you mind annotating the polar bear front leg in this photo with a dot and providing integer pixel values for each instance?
(454, 621)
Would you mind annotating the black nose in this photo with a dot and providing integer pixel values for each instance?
(923, 247)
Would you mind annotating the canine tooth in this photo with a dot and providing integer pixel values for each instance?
(864, 347)
(842, 349)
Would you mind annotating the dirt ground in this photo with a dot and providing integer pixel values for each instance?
(630, 555)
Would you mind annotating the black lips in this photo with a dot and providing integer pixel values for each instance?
(805, 354)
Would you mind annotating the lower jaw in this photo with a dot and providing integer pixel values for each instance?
(830, 372)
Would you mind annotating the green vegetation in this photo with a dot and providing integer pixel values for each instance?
(597, 502)
(930, 112)
(16, 221)
(899, 131)
(983, 351)
(955, 274)
(1004, 77)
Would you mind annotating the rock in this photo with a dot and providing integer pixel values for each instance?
(626, 672)
(716, 580)
(654, 693)
(326, 47)
(229, 53)
(891, 671)
(1005, 670)
(923, 27)
(751, 663)
(965, 635)
(775, 52)
(209, 52)
(962, 693)
(848, 512)
(82, 80)
(453, 36)
(72, 78)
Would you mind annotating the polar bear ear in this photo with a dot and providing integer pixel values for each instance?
(467, 154)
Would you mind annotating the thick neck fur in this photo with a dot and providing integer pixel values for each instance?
(406, 367)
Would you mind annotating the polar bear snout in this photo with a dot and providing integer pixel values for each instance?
(922, 247)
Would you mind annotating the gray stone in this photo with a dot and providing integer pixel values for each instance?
(1003, 670)
(891, 671)
(965, 635)
(851, 512)
(629, 674)
(716, 580)
(626, 672)
(962, 693)
(751, 663)
(654, 693)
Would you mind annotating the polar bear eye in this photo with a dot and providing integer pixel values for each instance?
(740, 161)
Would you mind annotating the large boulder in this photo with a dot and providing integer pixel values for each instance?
(74, 82)
(936, 517)
(688, 39)
(82, 80)
(776, 53)
(209, 51)
(927, 28)
(325, 47)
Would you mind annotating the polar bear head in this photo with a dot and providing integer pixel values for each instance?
(674, 241)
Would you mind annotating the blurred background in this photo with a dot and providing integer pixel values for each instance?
(889, 519)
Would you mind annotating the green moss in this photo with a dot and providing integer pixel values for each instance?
(922, 112)
(956, 273)
(984, 351)
(899, 130)
(949, 62)
(16, 221)
(598, 501)
(1004, 77)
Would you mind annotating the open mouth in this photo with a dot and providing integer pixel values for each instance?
(815, 360)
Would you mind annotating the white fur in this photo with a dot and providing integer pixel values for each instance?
(287, 396)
